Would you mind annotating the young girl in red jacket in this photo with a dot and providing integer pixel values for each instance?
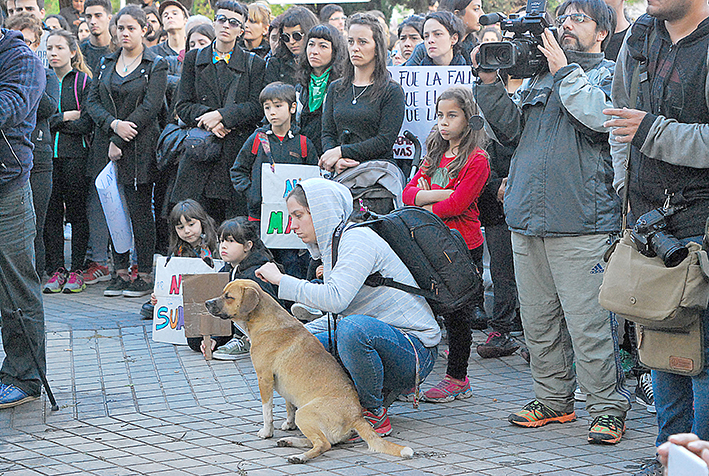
(448, 184)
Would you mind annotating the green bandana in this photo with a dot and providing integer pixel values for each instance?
(317, 90)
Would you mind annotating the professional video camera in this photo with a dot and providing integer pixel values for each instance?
(519, 56)
(651, 237)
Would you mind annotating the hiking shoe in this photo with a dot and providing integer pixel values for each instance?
(56, 282)
(232, 350)
(579, 395)
(651, 468)
(96, 273)
(116, 286)
(305, 313)
(138, 288)
(146, 311)
(497, 345)
(11, 396)
(643, 392)
(380, 422)
(606, 429)
(448, 390)
(75, 284)
(535, 414)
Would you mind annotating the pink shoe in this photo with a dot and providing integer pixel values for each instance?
(448, 390)
(75, 284)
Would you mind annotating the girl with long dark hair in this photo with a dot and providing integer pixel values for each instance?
(283, 64)
(364, 109)
(321, 63)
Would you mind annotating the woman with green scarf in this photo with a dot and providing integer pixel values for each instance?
(321, 62)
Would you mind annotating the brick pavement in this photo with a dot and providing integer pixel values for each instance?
(131, 406)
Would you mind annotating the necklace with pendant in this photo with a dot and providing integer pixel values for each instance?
(354, 101)
(126, 66)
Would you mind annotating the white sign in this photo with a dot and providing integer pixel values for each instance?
(114, 208)
(276, 183)
(168, 316)
(422, 85)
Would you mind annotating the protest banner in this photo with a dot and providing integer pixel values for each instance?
(422, 85)
(114, 208)
(168, 316)
(277, 181)
(196, 290)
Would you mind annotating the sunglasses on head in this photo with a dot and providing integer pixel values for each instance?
(297, 36)
(222, 19)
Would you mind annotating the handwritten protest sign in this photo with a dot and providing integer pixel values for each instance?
(422, 85)
(168, 316)
(114, 208)
(276, 184)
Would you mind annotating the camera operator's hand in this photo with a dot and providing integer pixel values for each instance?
(269, 272)
(689, 441)
(487, 77)
(553, 52)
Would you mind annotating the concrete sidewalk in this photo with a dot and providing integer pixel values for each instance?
(129, 405)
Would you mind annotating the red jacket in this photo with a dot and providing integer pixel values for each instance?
(460, 210)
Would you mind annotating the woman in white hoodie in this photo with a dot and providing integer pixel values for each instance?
(383, 334)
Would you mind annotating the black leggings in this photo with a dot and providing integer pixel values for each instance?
(458, 327)
(70, 189)
(140, 208)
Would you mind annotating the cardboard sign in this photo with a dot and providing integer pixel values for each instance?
(422, 85)
(196, 290)
(276, 184)
(168, 316)
(114, 208)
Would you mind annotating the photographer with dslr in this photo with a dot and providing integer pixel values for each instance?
(666, 137)
(561, 209)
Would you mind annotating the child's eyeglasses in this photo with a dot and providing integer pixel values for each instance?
(222, 19)
(297, 36)
(575, 17)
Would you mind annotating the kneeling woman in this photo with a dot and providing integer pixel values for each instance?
(383, 334)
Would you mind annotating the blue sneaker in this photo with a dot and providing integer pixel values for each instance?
(11, 396)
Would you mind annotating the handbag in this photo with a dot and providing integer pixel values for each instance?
(200, 145)
(169, 148)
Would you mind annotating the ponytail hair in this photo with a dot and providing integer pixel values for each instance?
(436, 145)
(77, 62)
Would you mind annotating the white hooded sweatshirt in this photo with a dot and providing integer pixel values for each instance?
(361, 252)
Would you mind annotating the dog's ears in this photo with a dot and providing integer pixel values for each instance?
(249, 301)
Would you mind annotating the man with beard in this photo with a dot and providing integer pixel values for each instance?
(666, 136)
(561, 208)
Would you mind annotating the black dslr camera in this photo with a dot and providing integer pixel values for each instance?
(652, 239)
(519, 57)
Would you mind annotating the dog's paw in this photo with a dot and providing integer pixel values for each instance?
(297, 459)
(288, 426)
(284, 442)
(265, 433)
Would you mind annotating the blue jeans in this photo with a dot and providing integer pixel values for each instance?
(21, 287)
(682, 402)
(379, 358)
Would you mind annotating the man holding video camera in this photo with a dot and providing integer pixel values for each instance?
(667, 137)
(562, 210)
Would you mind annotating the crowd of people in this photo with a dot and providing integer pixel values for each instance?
(541, 174)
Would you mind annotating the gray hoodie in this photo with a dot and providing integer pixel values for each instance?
(361, 252)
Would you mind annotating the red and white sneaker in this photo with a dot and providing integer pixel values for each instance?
(380, 422)
(448, 390)
(96, 273)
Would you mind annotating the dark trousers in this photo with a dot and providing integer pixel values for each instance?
(20, 286)
(140, 208)
(69, 192)
(458, 327)
(502, 272)
(41, 184)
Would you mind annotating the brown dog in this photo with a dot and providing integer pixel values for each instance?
(287, 357)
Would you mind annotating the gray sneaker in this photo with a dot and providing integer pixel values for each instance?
(305, 313)
(232, 350)
(651, 468)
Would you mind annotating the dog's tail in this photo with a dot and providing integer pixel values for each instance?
(378, 444)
